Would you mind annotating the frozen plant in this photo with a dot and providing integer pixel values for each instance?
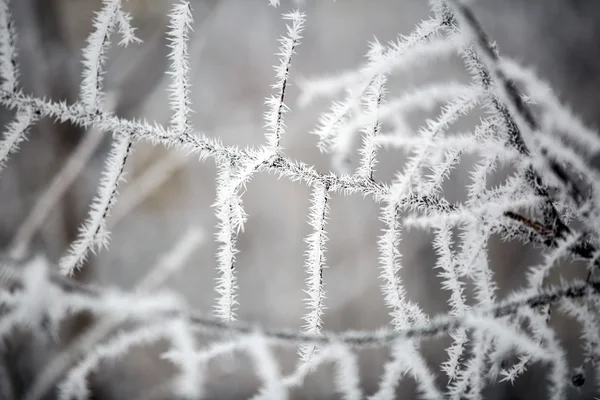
(550, 198)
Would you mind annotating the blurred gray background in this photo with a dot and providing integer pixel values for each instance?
(232, 51)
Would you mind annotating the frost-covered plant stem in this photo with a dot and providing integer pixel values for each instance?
(181, 21)
(315, 264)
(434, 327)
(512, 134)
(276, 107)
(236, 172)
(8, 52)
(93, 234)
(228, 212)
(15, 134)
(510, 105)
(157, 275)
(94, 54)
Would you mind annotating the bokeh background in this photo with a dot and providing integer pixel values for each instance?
(232, 50)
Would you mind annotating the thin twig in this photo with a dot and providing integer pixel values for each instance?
(437, 325)
(57, 187)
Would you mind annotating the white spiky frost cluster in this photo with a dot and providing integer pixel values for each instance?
(552, 186)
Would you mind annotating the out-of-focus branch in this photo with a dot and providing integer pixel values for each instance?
(438, 325)
(171, 262)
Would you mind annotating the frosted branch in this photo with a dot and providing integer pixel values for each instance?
(8, 52)
(15, 134)
(94, 54)
(315, 264)
(93, 234)
(57, 187)
(276, 107)
(229, 212)
(181, 21)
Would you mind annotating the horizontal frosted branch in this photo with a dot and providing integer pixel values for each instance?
(104, 302)
(195, 143)
(489, 211)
